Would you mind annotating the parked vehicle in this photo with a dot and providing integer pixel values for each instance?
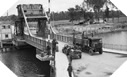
(89, 44)
(66, 49)
(72, 51)
(75, 53)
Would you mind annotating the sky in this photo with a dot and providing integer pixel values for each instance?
(56, 5)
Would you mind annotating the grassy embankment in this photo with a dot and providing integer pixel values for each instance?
(65, 27)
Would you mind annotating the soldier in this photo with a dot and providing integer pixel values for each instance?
(57, 48)
(54, 42)
(69, 69)
(70, 58)
(48, 48)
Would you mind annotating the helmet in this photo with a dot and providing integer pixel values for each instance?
(54, 39)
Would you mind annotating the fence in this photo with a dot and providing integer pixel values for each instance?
(69, 40)
(116, 47)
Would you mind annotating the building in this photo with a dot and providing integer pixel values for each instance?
(5, 31)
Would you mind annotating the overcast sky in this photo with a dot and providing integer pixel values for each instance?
(56, 5)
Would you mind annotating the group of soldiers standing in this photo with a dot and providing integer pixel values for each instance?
(53, 46)
(54, 49)
(51, 49)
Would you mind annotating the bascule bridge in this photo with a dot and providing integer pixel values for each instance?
(32, 28)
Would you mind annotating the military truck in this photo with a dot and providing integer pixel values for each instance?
(89, 44)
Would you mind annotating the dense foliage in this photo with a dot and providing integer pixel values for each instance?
(78, 13)
(11, 19)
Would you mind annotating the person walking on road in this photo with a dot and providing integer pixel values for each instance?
(69, 69)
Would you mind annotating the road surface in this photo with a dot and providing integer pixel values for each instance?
(98, 65)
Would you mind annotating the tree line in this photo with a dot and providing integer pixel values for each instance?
(90, 10)
(74, 15)
(10, 18)
(66, 15)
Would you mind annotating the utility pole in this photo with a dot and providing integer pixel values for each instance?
(49, 23)
(7, 13)
(74, 37)
(53, 68)
(49, 11)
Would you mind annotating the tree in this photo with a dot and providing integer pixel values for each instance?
(13, 17)
(63, 15)
(107, 12)
(75, 13)
(78, 8)
(113, 7)
(71, 14)
(78, 12)
(96, 5)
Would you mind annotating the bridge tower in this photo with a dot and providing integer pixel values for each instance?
(34, 17)
(31, 20)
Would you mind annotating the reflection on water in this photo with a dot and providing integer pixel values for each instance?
(119, 38)
(24, 63)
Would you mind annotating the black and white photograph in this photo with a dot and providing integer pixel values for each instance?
(63, 38)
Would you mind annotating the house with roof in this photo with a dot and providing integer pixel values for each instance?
(5, 31)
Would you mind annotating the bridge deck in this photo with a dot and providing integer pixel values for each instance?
(61, 62)
(61, 65)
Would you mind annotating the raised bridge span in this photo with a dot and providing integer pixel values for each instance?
(33, 28)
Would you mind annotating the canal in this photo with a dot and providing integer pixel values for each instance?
(115, 38)
(24, 63)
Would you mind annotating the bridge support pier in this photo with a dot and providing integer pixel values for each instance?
(41, 55)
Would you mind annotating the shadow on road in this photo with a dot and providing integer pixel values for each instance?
(88, 73)
(94, 54)
(108, 73)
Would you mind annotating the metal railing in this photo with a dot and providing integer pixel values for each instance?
(115, 47)
(38, 43)
(69, 40)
